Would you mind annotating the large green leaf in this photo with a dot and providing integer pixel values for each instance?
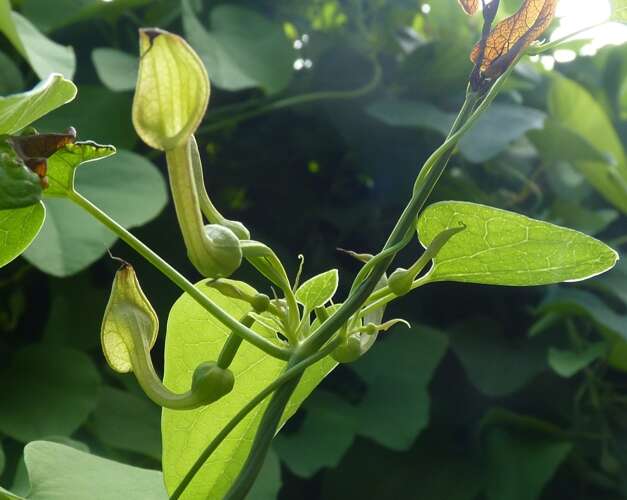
(126, 186)
(97, 114)
(127, 422)
(11, 79)
(394, 418)
(43, 55)
(573, 108)
(494, 363)
(49, 16)
(504, 248)
(59, 472)
(242, 50)
(18, 228)
(501, 125)
(63, 384)
(318, 290)
(519, 462)
(194, 337)
(20, 110)
(116, 69)
(568, 363)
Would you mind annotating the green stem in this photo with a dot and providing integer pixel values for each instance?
(179, 280)
(232, 344)
(295, 371)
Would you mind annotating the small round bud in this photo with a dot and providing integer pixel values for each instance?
(225, 249)
(212, 382)
(260, 302)
(348, 351)
(400, 282)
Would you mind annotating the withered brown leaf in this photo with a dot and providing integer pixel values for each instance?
(469, 6)
(513, 35)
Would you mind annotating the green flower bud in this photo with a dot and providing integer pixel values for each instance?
(224, 252)
(350, 350)
(172, 90)
(210, 382)
(260, 302)
(400, 282)
(239, 229)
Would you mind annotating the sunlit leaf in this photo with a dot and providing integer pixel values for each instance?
(504, 248)
(318, 290)
(194, 337)
(43, 55)
(18, 228)
(568, 102)
(126, 186)
(20, 110)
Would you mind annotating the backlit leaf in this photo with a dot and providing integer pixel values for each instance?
(318, 290)
(18, 228)
(504, 248)
(194, 337)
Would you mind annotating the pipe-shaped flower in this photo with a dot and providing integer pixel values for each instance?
(172, 91)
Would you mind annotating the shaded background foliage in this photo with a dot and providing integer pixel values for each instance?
(495, 393)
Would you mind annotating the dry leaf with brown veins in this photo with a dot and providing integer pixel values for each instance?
(513, 35)
(469, 6)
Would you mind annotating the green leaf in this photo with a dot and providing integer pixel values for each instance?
(126, 186)
(619, 10)
(242, 50)
(519, 465)
(11, 80)
(59, 472)
(75, 316)
(551, 139)
(49, 16)
(116, 69)
(495, 364)
(268, 483)
(20, 110)
(19, 186)
(393, 418)
(62, 165)
(2, 458)
(98, 115)
(494, 131)
(570, 213)
(18, 228)
(126, 422)
(436, 468)
(569, 363)
(504, 248)
(568, 102)
(501, 125)
(43, 55)
(317, 291)
(325, 411)
(193, 337)
(64, 384)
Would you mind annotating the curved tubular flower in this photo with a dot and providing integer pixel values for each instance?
(513, 35)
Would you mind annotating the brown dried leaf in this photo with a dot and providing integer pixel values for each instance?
(469, 6)
(513, 35)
